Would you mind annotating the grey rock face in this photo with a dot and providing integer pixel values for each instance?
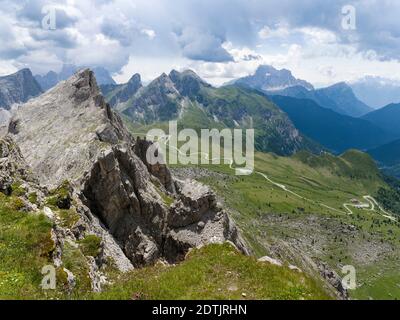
(12, 165)
(195, 201)
(333, 279)
(70, 133)
(5, 116)
(18, 88)
(160, 171)
(13, 168)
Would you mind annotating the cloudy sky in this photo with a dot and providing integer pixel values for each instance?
(219, 39)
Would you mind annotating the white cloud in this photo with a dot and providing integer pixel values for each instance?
(304, 36)
(279, 31)
(318, 35)
(151, 34)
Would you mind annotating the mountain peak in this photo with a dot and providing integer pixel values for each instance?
(262, 69)
(25, 72)
(268, 78)
(188, 83)
(162, 80)
(341, 85)
(75, 111)
(135, 78)
(187, 73)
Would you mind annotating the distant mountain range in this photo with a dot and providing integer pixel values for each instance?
(388, 154)
(52, 78)
(120, 93)
(339, 97)
(335, 131)
(185, 97)
(376, 91)
(387, 118)
(388, 157)
(18, 88)
(288, 114)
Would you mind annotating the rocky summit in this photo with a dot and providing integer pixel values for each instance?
(269, 79)
(79, 155)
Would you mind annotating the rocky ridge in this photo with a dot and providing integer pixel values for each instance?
(71, 140)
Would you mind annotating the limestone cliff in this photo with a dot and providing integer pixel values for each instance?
(70, 136)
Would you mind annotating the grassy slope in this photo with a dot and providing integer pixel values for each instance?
(233, 102)
(26, 246)
(23, 238)
(267, 215)
(270, 217)
(215, 272)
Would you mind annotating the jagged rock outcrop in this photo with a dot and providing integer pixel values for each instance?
(333, 279)
(71, 134)
(195, 219)
(14, 171)
(12, 165)
(160, 171)
(18, 88)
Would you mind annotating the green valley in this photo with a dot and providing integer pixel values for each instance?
(317, 227)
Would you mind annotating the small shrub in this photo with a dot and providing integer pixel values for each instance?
(90, 245)
(68, 218)
(17, 204)
(33, 198)
(17, 189)
(61, 197)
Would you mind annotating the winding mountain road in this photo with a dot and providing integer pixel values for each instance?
(370, 205)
